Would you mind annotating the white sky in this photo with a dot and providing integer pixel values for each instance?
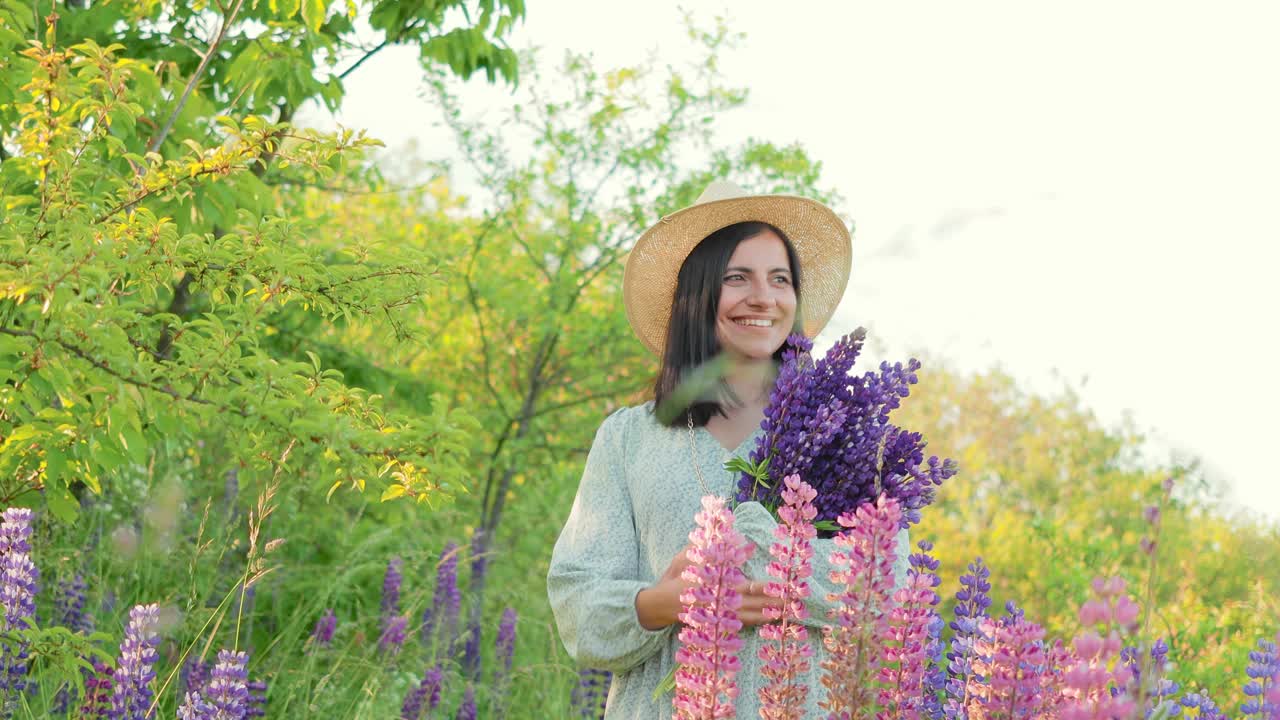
(1068, 190)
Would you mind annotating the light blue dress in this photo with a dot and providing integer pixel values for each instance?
(633, 512)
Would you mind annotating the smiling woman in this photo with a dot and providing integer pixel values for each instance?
(726, 279)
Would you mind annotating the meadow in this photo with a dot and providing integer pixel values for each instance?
(253, 372)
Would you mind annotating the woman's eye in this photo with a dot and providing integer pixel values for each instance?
(735, 276)
(785, 280)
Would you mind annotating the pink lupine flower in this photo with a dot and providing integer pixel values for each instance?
(864, 569)
(1012, 661)
(1098, 669)
(707, 659)
(788, 656)
(904, 639)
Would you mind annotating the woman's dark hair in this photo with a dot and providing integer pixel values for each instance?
(691, 330)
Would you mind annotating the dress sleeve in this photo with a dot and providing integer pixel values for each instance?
(757, 525)
(594, 574)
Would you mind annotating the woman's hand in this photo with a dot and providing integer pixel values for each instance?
(658, 605)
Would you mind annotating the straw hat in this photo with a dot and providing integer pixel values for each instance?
(820, 238)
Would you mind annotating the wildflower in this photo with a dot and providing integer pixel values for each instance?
(1098, 670)
(325, 626)
(1264, 666)
(706, 659)
(97, 691)
(442, 616)
(588, 697)
(257, 705)
(783, 698)
(904, 637)
(427, 691)
(69, 605)
(971, 607)
(393, 634)
(864, 571)
(131, 689)
(227, 691)
(1205, 708)
(471, 651)
(467, 710)
(1010, 657)
(391, 588)
(506, 647)
(826, 425)
(18, 588)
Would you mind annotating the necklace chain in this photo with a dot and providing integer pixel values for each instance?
(697, 469)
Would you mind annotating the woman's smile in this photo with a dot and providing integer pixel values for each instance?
(757, 299)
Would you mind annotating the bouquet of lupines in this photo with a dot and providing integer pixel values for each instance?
(832, 429)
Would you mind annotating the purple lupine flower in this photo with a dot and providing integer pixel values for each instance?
(257, 704)
(862, 571)
(393, 634)
(934, 686)
(904, 637)
(131, 687)
(194, 707)
(824, 424)
(391, 588)
(18, 588)
(479, 557)
(467, 710)
(322, 635)
(471, 651)
(442, 616)
(1264, 665)
(1206, 708)
(194, 675)
(972, 602)
(589, 695)
(97, 692)
(506, 648)
(69, 605)
(427, 692)
(227, 690)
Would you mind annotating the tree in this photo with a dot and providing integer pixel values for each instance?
(146, 251)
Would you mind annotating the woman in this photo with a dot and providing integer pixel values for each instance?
(719, 279)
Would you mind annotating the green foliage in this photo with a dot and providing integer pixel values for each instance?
(146, 253)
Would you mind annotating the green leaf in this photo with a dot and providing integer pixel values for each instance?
(313, 14)
(61, 503)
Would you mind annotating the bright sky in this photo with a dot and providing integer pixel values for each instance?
(1087, 189)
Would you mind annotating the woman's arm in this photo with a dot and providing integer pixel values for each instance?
(594, 578)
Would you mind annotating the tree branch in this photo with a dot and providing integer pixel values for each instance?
(195, 77)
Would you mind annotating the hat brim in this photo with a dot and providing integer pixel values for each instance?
(820, 238)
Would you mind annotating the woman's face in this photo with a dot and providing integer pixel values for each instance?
(757, 300)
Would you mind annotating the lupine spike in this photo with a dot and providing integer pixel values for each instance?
(131, 691)
(863, 569)
(1263, 668)
(972, 601)
(322, 635)
(18, 587)
(505, 647)
(787, 656)
(427, 693)
(707, 657)
(904, 638)
(1098, 668)
(831, 427)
